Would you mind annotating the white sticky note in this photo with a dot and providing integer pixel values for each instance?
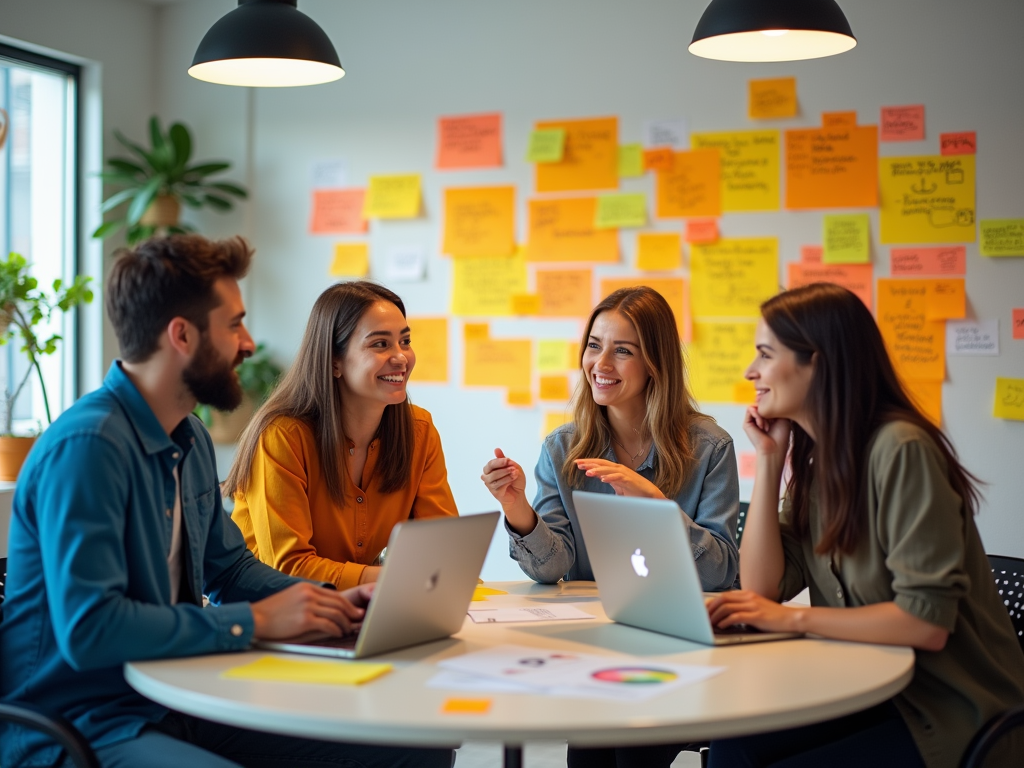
(328, 174)
(972, 338)
(405, 263)
(666, 133)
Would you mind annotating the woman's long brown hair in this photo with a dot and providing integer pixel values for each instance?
(310, 393)
(854, 390)
(670, 410)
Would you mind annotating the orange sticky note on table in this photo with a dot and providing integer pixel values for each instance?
(659, 251)
(519, 398)
(772, 98)
(914, 262)
(590, 159)
(947, 299)
(902, 123)
(351, 260)
(1018, 323)
(469, 141)
(338, 212)
(480, 221)
(659, 159)
(833, 167)
(554, 387)
(693, 186)
(701, 231)
(811, 254)
(675, 290)
(833, 119)
(565, 292)
(964, 143)
(466, 706)
(525, 304)
(856, 278)
(563, 230)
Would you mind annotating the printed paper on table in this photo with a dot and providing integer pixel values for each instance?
(479, 221)
(856, 278)
(393, 197)
(429, 337)
(563, 230)
(692, 187)
(772, 98)
(565, 292)
(835, 167)
(927, 199)
(469, 141)
(591, 158)
(731, 278)
(750, 168)
(338, 212)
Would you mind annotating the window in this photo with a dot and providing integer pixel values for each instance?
(38, 210)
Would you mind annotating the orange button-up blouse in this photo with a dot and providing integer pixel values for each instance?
(290, 521)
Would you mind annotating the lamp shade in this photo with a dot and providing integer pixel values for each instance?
(266, 43)
(771, 30)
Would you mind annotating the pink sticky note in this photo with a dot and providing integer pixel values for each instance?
(811, 254)
(965, 143)
(929, 261)
(748, 464)
(902, 123)
(1018, 323)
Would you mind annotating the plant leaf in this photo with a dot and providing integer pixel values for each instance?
(156, 136)
(138, 150)
(142, 199)
(139, 232)
(182, 141)
(191, 200)
(117, 199)
(229, 188)
(107, 228)
(120, 179)
(217, 202)
(196, 172)
(126, 166)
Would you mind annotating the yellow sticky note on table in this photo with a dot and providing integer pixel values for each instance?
(482, 593)
(498, 363)
(518, 399)
(621, 210)
(552, 356)
(1009, 402)
(429, 337)
(351, 260)
(590, 159)
(927, 199)
(750, 168)
(660, 251)
(1002, 237)
(466, 706)
(772, 98)
(554, 388)
(553, 420)
(946, 299)
(480, 221)
(301, 671)
(732, 277)
(547, 145)
(486, 286)
(846, 239)
(393, 197)
(631, 161)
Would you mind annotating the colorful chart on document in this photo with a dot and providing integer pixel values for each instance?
(634, 675)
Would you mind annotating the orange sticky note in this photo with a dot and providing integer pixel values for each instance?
(659, 251)
(833, 167)
(503, 363)
(466, 706)
(914, 262)
(916, 344)
(590, 160)
(947, 299)
(964, 143)
(693, 186)
(351, 260)
(519, 398)
(701, 231)
(772, 98)
(675, 290)
(833, 119)
(476, 332)
(856, 278)
(480, 221)
(469, 141)
(902, 123)
(565, 292)
(659, 159)
(748, 465)
(554, 387)
(525, 304)
(563, 230)
(743, 393)
(338, 212)
(811, 254)
(927, 395)
(1018, 323)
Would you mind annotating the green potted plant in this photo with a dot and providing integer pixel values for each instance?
(157, 181)
(23, 308)
(258, 375)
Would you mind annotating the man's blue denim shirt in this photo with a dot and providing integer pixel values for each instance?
(88, 584)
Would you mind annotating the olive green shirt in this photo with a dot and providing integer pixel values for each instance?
(921, 550)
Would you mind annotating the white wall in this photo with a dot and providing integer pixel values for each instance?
(409, 61)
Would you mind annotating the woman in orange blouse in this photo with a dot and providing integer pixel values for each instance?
(338, 455)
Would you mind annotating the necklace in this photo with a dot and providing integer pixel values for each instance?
(633, 457)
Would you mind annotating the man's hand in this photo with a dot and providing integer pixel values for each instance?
(306, 610)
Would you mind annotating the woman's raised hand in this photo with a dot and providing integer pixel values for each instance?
(505, 480)
(769, 436)
(623, 480)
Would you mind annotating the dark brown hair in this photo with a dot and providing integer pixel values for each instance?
(164, 278)
(854, 390)
(309, 392)
(670, 410)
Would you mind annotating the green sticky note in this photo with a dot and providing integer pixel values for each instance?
(546, 146)
(1002, 237)
(631, 161)
(622, 210)
(846, 239)
(552, 356)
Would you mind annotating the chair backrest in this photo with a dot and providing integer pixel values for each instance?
(1009, 575)
(741, 520)
(3, 578)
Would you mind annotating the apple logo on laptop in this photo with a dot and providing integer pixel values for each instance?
(432, 581)
(638, 562)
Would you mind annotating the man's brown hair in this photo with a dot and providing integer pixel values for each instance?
(164, 278)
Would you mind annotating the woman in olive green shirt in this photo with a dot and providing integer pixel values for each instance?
(878, 524)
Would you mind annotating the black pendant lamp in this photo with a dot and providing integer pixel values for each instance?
(771, 30)
(266, 43)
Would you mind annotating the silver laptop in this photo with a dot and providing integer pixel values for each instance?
(423, 592)
(640, 552)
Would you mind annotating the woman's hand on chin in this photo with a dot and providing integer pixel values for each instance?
(623, 480)
(768, 436)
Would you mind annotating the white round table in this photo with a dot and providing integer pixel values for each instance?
(765, 686)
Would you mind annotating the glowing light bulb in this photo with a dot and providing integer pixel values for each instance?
(774, 32)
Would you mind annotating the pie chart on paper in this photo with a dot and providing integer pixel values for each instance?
(634, 675)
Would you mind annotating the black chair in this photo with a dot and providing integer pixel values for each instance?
(57, 728)
(741, 521)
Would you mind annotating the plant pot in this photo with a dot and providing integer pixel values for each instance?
(226, 427)
(164, 211)
(13, 451)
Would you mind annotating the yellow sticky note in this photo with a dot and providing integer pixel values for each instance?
(547, 145)
(351, 260)
(498, 363)
(590, 160)
(692, 186)
(621, 210)
(631, 161)
(553, 420)
(301, 671)
(519, 399)
(429, 337)
(750, 168)
(486, 286)
(946, 299)
(675, 291)
(927, 395)
(744, 393)
(466, 706)
(565, 292)
(659, 252)
(476, 332)
(917, 345)
(554, 388)
(719, 355)
(552, 356)
(772, 98)
(1009, 402)
(1002, 237)
(525, 304)
(732, 277)
(393, 197)
(927, 199)
(480, 221)
(563, 230)
(482, 593)
(846, 239)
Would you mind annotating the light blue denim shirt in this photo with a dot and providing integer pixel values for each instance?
(709, 501)
(88, 583)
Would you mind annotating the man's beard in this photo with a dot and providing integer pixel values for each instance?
(211, 380)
